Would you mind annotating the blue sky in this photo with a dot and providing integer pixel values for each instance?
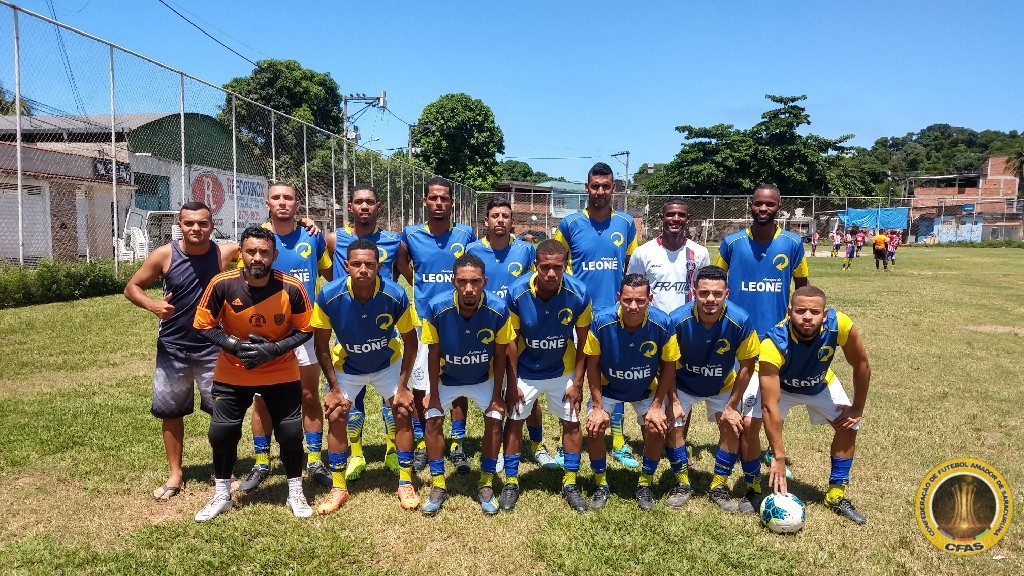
(588, 79)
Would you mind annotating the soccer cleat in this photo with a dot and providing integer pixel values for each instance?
(625, 457)
(256, 476)
(573, 497)
(391, 461)
(216, 506)
(845, 508)
(720, 495)
(459, 460)
(541, 456)
(678, 495)
(419, 460)
(750, 503)
(320, 474)
(645, 498)
(488, 503)
(336, 498)
(600, 497)
(296, 502)
(434, 501)
(560, 456)
(407, 497)
(509, 496)
(356, 465)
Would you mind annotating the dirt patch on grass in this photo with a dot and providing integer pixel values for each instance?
(996, 329)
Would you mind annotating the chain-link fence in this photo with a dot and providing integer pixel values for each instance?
(100, 146)
(538, 210)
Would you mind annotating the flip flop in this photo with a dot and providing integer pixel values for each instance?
(165, 493)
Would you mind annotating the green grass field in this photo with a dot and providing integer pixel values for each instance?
(80, 454)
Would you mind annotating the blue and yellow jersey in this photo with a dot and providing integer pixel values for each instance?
(598, 251)
(629, 362)
(367, 334)
(805, 368)
(302, 255)
(433, 258)
(387, 250)
(545, 329)
(760, 275)
(466, 346)
(504, 266)
(707, 365)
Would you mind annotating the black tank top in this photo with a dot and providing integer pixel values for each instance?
(186, 279)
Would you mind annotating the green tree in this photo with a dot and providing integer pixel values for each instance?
(516, 170)
(1015, 166)
(285, 86)
(722, 159)
(463, 142)
(7, 104)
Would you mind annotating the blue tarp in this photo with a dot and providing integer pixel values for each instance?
(875, 218)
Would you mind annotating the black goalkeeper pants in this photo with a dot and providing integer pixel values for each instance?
(230, 402)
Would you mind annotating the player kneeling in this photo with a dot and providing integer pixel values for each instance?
(714, 334)
(631, 355)
(795, 370)
(376, 346)
(548, 308)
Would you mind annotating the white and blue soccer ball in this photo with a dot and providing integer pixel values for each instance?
(783, 513)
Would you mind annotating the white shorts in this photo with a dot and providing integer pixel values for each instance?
(554, 388)
(822, 407)
(306, 353)
(385, 382)
(420, 379)
(750, 405)
(640, 407)
(480, 394)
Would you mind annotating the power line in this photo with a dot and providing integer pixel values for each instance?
(205, 32)
(67, 63)
(552, 157)
(200, 18)
(398, 117)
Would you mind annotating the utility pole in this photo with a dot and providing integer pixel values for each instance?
(376, 101)
(412, 138)
(626, 179)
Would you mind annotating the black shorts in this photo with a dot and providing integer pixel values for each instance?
(230, 402)
(880, 253)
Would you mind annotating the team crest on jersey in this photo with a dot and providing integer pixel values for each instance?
(515, 269)
(278, 319)
(257, 320)
(780, 261)
(458, 249)
(826, 353)
(382, 254)
(486, 335)
(724, 346)
(304, 249)
(648, 348)
(618, 239)
(565, 316)
(385, 321)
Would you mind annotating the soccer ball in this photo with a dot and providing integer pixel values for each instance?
(783, 513)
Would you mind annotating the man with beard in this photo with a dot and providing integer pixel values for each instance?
(762, 261)
(796, 356)
(257, 316)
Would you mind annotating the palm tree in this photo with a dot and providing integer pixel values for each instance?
(7, 104)
(1015, 166)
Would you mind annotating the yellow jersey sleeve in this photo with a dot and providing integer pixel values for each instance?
(749, 348)
(408, 322)
(326, 262)
(721, 263)
(560, 238)
(631, 246)
(429, 333)
(319, 319)
(506, 333)
(514, 318)
(586, 317)
(845, 325)
(801, 270)
(770, 353)
(593, 345)
(670, 351)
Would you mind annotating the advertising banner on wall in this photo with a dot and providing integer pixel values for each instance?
(219, 191)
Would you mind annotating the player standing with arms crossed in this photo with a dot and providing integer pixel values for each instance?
(762, 262)
(600, 242)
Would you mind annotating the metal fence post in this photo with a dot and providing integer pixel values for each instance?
(181, 128)
(305, 168)
(389, 190)
(273, 149)
(234, 163)
(334, 191)
(113, 162)
(344, 178)
(17, 119)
